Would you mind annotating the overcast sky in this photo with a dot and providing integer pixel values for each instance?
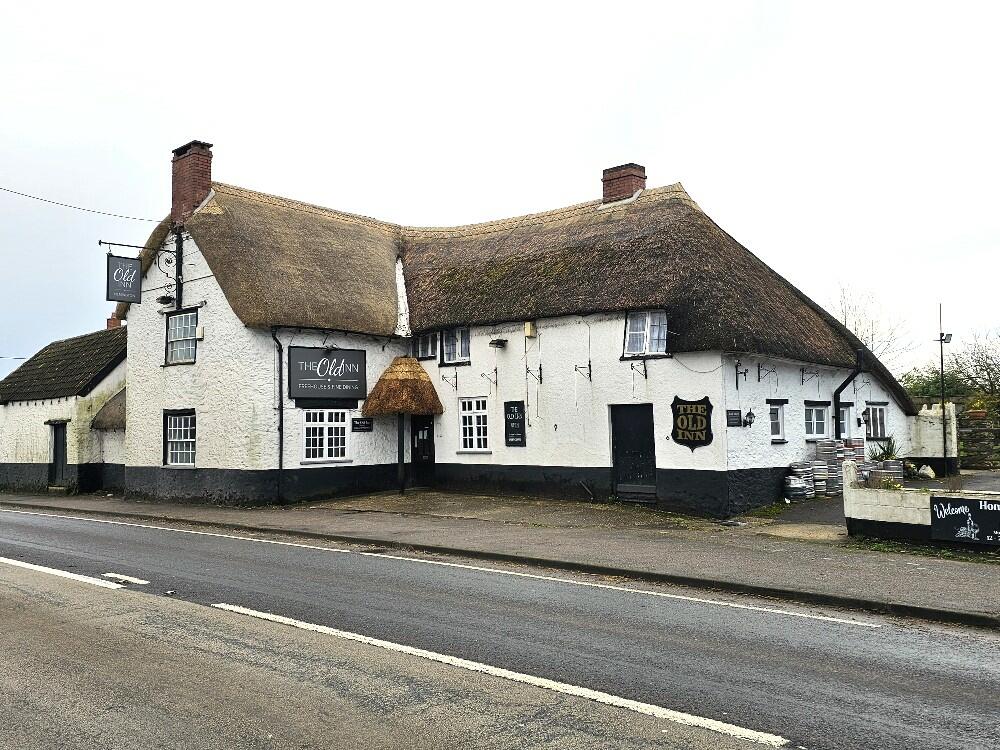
(846, 144)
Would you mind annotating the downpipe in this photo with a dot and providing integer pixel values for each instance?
(858, 369)
(281, 412)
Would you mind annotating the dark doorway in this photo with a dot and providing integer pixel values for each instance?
(633, 452)
(422, 449)
(58, 469)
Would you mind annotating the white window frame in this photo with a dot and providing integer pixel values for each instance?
(845, 426)
(326, 436)
(187, 322)
(811, 422)
(640, 324)
(876, 422)
(180, 438)
(780, 421)
(426, 347)
(473, 425)
(456, 337)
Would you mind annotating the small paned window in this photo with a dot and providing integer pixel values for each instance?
(777, 421)
(474, 424)
(179, 438)
(844, 421)
(182, 344)
(816, 419)
(646, 333)
(876, 422)
(426, 347)
(456, 346)
(324, 435)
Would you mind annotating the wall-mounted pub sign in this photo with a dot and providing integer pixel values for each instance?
(317, 372)
(513, 424)
(965, 519)
(124, 282)
(692, 422)
(734, 418)
(362, 424)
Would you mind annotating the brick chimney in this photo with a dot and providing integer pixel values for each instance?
(623, 182)
(192, 179)
(113, 322)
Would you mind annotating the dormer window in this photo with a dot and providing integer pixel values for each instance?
(426, 346)
(455, 348)
(646, 333)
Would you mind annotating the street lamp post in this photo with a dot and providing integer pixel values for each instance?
(943, 338)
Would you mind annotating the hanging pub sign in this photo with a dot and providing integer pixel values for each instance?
(124, 282)
(318, 372)
(692, 422)
(513, 424)
(965, 519)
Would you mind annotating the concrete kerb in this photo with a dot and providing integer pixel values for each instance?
(802, 596)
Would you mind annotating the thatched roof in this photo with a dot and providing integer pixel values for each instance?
(404, 388)
(71, 367)
(111, 416)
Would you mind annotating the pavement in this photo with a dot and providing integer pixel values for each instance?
(220, 640)
(802, 557)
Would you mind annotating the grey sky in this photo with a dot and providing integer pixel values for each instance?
(855, 147)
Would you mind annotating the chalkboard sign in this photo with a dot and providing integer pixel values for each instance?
(315, 372)
(965, 519)
(124, 282)
(513, 424)
(734, 418)
(361, 424)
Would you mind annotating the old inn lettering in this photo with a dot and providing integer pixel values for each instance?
(124, 279)
(692, 422)
(316, 372)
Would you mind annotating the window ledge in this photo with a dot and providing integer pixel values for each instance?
(816, 439)
(177, 364)
(474, 451)
(181, 467)
(463, 363)
(777, 441)
(660, 355)
(424, 359)
(315, 461)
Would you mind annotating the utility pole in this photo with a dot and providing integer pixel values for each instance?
(943, 338)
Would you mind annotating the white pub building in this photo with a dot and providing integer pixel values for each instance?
(623, 347)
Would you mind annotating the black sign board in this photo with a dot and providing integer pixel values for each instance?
(124, 282)
(965, 519)
(513, 424)
(734, 418)
(361, 424)
(692, 422)
(316, 372)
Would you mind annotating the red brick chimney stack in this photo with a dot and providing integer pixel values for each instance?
(623, 181)
(192, 179)
(113, 322)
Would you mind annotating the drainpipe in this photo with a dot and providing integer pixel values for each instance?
(858, 368)
(281, 410)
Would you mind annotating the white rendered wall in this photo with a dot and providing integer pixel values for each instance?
(233, 385)
(25, 438)
(751, 447)
(927, 434)
(568, 416)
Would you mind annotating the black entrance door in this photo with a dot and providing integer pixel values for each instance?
(57, 469)
(422, 449)
(633, 451)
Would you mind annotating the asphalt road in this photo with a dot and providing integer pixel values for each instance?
(820, 683)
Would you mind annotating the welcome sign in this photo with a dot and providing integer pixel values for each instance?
(965, 519)
(317, 372)
(124, 280)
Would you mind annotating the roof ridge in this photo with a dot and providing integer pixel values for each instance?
(84, 335)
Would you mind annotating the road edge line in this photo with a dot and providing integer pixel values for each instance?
(61, 573)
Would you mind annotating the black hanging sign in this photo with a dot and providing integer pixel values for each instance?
(124, 283)
(692, 422)
(361, 424)
(513, 424)
(734, 418)
(965, 519)
(316, 372)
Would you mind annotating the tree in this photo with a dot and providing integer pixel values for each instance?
(885, 336)
(926, 381)
(979, 363)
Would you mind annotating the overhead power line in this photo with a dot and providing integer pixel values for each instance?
(78, 208)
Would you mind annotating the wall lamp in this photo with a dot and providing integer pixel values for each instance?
(748, 419)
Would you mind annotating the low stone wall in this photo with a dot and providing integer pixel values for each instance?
(892, 514)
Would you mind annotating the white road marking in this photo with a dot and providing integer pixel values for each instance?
(125, 579)
(763, 738)
(478, 568)
(61, 573)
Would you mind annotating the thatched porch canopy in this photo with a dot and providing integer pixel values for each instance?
(404, 388)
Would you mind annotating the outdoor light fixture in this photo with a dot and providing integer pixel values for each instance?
(748, 419)
(943, 338)
(166, 299)
(499, 343)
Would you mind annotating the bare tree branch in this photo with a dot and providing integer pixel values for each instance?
(886, 336)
